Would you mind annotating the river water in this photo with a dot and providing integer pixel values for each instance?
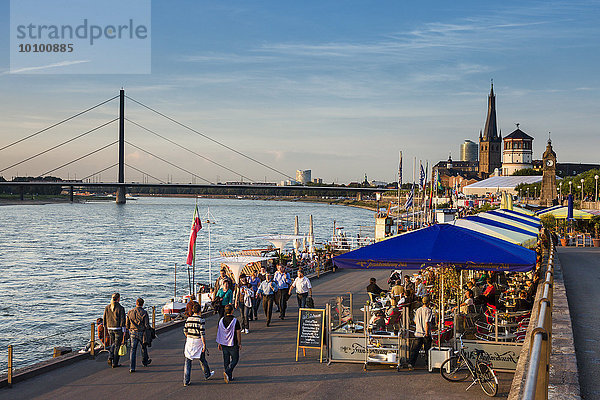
(59, 263)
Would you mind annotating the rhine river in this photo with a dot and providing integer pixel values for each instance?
(60, 263)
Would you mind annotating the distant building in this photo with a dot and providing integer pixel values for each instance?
(497, 184)
(567, 169)
(518, 152)
(288, 182)
(303, 176)
(449, 170)
(468, 151)
(318, 181)
(490, 142)
(378, 183)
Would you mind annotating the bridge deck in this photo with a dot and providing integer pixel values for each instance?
(266, 369)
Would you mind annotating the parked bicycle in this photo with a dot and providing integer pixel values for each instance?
(458, 367)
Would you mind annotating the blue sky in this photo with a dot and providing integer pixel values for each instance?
(336, 87)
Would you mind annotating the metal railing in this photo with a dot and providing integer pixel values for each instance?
(92, 344)
(538, 372)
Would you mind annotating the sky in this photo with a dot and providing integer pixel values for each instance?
(336, 87)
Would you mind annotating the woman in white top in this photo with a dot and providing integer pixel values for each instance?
(303, 289)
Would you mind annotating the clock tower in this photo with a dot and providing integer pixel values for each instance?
(548, 195)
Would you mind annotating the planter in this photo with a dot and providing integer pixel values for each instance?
(596, 242)
(564, 241)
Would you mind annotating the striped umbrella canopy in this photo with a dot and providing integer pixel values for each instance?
(508, 221)
(522, 239)
(531, 218)
(527, 221)
(561, 213)
(522, 210)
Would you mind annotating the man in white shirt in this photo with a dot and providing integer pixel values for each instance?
(283, 283)
(423, 325)
(303, 289)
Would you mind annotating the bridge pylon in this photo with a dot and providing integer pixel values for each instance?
(121, 190)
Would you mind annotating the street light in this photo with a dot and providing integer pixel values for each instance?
(527, 201)
(596, 178)
(377, 197)
(570, 186)
(582, 192)
(560, 192)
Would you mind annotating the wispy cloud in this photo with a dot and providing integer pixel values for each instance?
(48, 66)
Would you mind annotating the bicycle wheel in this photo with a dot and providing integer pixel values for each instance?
(455, 369)
(487, 379)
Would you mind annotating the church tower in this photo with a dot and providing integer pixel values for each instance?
(548, 196)
(490, 143)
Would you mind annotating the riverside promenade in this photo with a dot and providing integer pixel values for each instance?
(581, 274)
(266, 369)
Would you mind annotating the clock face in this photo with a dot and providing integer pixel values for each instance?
(549, 163)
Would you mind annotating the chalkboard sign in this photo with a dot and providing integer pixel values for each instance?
(311, 322)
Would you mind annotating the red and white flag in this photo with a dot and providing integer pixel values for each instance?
(196, 226)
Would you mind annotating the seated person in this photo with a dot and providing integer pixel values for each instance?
(377, 322)
(489, 294)
(397, 293)
(522, 303)
(105, 340)
(373, 288)
(467, 305)
(473, 286)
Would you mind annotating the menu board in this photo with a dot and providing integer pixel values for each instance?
(310, 329)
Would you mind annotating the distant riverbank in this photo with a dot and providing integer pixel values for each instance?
(41, 200)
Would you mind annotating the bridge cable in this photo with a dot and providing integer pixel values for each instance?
(168, 162)
(79, 158)
(139, 170)
(211, 139)
(58, 123)
(186, 149)
(102, 170)
(60, 144)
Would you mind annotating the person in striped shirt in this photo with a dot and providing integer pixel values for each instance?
(195, 346)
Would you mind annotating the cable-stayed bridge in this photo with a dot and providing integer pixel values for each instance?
(122, 184)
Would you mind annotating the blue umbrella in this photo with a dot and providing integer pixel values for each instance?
(441, 244)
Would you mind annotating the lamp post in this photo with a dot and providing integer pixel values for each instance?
(596, 179)
(527, 201)
(377, 197)
(570, 186)
(535, 192)
(520, 195)
(582, 192)
(560, 192)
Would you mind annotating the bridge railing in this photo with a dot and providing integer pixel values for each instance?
(537, 377)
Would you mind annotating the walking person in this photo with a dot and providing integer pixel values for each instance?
(254, 280)
(229, 338)
(267, 290)
(243, 301)
(423, 325)
(137, 324)
(114, 322)
(195, 345)
(303, 289)
(226, 296)
(283, 283)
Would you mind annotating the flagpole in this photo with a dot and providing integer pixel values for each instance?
(399, 184)
(194, 259)
(412, 222)
(209, 259)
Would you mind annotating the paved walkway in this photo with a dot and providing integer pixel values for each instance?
(266, 370)
(581, 272)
